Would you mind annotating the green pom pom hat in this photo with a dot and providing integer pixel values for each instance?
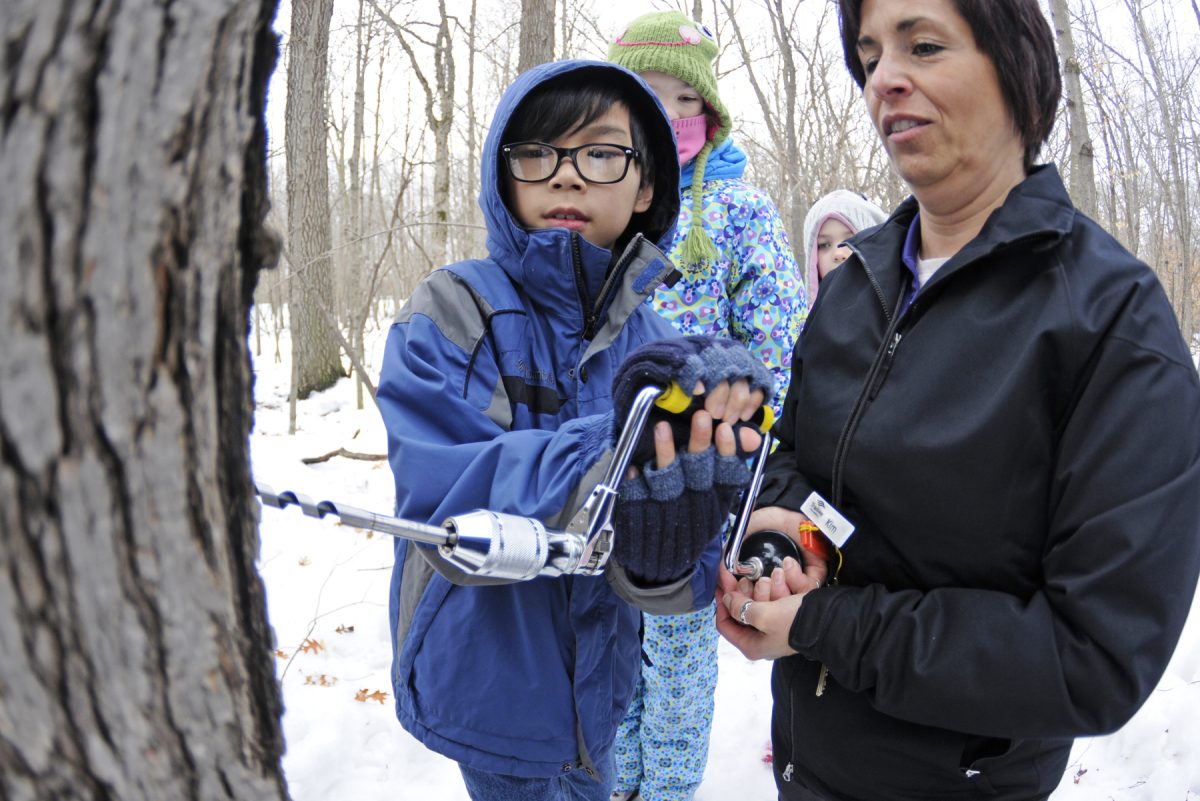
(669, 42)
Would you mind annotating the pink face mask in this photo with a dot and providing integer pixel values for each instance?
(690, 134)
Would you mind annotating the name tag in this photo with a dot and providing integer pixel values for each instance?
(831, 522)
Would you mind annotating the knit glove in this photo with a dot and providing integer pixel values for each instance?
(664, 519)
(684, 361)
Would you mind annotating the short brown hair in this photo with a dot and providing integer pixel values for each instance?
(1016, 38)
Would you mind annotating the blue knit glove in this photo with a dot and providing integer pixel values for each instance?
(684, 361)
(664, 519)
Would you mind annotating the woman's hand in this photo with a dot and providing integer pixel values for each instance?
(787, 521)
(772, 607)
(756, 617)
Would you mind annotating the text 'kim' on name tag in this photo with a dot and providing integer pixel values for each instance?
(832, 523)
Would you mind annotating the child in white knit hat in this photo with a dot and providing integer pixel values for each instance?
(831, 221)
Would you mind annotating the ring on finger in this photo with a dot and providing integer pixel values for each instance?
(742, 614)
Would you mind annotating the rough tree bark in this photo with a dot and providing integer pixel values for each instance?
(537, 33)
(134, 645)
(317, 363)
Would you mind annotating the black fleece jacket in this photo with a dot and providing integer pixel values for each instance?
(1020, 453)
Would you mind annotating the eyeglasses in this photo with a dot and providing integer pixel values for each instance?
(597, 163)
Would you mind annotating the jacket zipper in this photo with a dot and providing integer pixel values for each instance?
(581, 284)
(786, 775)
(890, 353)
(888, 356)
(610, 283)
(886, 352)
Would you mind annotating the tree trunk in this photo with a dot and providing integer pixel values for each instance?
(314, 345)
(355, 250)
(135, 657)
(1083, 171)
(443, 62)
(537, 33)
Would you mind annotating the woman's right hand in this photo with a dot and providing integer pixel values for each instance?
(815, 568)
(771, 603)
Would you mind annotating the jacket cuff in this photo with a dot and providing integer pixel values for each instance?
(675, 598)
(812, 621)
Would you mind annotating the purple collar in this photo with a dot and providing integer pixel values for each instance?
(908, 254)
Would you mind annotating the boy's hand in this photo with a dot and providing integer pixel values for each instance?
(727, 405)
(729, 381)
(666, 516)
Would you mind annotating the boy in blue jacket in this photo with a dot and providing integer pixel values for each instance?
(503, 385)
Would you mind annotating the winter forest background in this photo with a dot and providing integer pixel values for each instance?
(173, 170)
(375, 177)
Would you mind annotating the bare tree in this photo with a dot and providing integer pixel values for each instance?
(439, 108)
(1173, 260)
(778, 97)
(817, 137)
(537, 33)
(134, 647)
(1083, 174)
(355, 250)
(316, 363)
(580, 34)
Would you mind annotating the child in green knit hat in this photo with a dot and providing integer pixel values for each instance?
(739, 279)
(674, 55)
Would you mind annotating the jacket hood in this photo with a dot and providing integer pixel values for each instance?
(852, 209)
(507, 240)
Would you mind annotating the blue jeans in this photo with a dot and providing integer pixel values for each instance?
(575, 785)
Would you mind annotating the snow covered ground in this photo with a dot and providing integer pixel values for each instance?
(327, 596)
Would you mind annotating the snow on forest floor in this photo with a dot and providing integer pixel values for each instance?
(327, 599)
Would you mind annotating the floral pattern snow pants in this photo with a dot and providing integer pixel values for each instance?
(662, 745)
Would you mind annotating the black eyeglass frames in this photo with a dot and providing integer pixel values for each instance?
(596, 162)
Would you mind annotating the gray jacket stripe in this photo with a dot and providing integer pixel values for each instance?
(440, 298)
(462, 315)
(413, 582)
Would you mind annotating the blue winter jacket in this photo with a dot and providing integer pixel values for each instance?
(496, 393)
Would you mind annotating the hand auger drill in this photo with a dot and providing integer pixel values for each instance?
(516, 548)
(756, 555)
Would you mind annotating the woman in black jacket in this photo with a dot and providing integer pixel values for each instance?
(996, 396)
